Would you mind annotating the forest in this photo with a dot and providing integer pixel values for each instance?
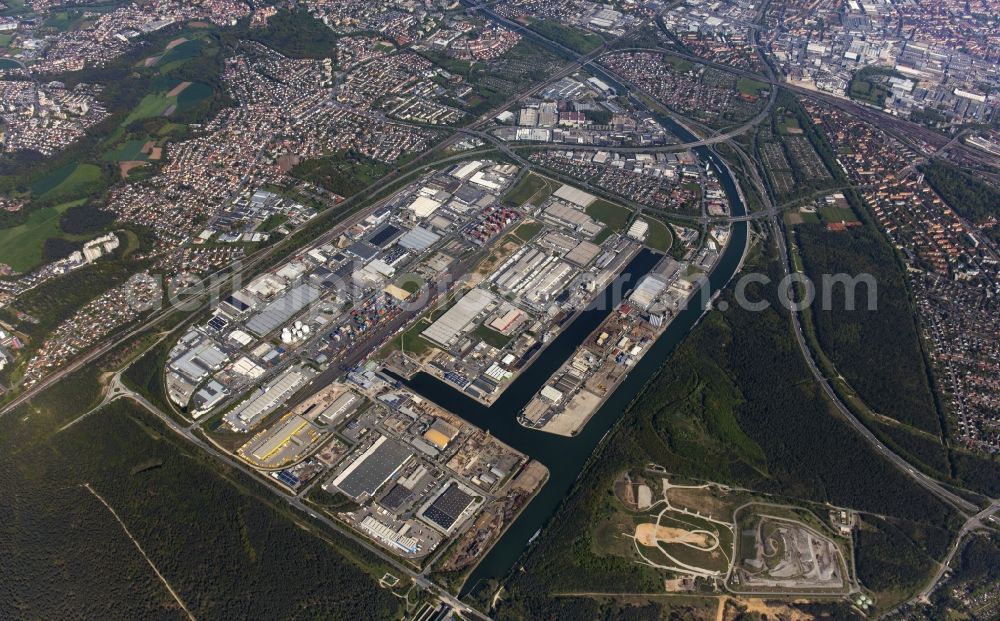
(217, 538)
(297, 34)
(84, 219)
(734, 404)
(971, 198)
(146, 375)
(344, 173)
(894, 555)
(877, 350)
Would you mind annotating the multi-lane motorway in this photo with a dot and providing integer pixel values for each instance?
(435, 157)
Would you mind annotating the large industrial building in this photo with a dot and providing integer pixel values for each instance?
(373, 468)
(278, 312)
(449, 508)
(574, 196)
(459, 317)
(249, 413)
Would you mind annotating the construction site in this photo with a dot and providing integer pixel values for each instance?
(786, 556)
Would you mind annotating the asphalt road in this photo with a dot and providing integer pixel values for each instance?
(901, 464)
(261, 256)
(299, 505)
(926, 482)
(973, 523)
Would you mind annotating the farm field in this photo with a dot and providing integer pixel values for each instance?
(21, 246)
(72, 179)
(172, 97)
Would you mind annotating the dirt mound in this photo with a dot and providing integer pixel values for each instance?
(650, 534)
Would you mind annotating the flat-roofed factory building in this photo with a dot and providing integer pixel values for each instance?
(344, 405)
(574, 196)
(282, 309)
(373, 468)
(449, 508)
(459, 317)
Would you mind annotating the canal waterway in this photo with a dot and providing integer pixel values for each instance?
(565, 456)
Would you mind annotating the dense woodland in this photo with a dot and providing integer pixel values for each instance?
(221, 541)
(971, 198)
(146, 375)
(734, 404)
(84, 219)
(345, 173)
(894, 555)
(877, 351)
(297, 34)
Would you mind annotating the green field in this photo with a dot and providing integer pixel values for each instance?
(803, 217)
(127, 151)
(659, 237)
(272, 222)
(63, 20)
(491, 337)
(746, 86)
(159, 104)
(788, 125)
(579, 41)
(72, 179)
(21, 246)
(180, 54)
(614, 216)
(678, 64)
(533, 188)
(837, 214)
(150, 106)
(527, 230)
(410, 341)
(5, 39)
(172, 128)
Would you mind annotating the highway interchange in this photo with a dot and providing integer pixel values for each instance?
(363, 203)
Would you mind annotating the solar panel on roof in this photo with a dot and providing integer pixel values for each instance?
(396, 497)
(238, 305)
(362, 250)
(448, 507)
(383, 235)
(439, 517)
